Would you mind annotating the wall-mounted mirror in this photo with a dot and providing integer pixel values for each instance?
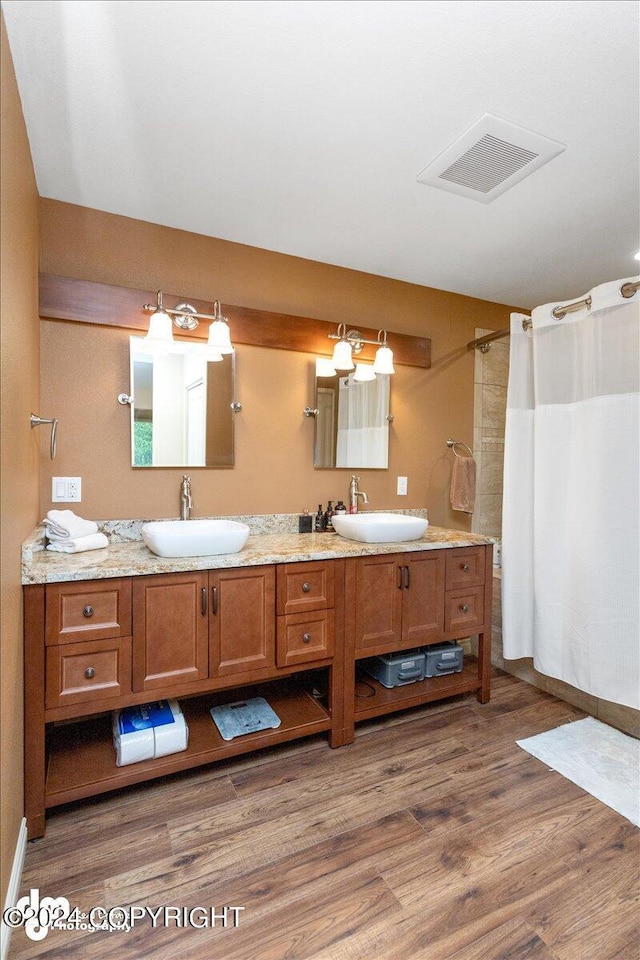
(352, 429)
(181, 413)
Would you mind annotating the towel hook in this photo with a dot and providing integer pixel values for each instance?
(458, 443)
(38, 422)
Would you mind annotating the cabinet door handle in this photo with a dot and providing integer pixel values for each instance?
(214, 600)
(465, 567)
(408, 583)
(464, 607)
(89, 673)
(88, 611)
(306, 587)
(306, 638)
(203, 602)
(400, 578)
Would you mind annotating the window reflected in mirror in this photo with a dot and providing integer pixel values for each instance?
(181, 413)
(352, 429)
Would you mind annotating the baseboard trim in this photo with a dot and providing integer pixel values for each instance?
(14, 886)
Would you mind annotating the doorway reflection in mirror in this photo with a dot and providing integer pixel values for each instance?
(181, 413)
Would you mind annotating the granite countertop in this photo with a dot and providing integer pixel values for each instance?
(128, 556)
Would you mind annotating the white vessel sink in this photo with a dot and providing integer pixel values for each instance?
(194, 538)
(379, 527)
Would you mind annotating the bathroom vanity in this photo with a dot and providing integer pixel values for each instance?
(287, 618)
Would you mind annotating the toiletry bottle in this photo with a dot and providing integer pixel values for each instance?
(319, 521)
(328, 518)
(340, 507)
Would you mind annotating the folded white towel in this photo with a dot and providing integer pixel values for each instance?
(78, 544)
(65, 525)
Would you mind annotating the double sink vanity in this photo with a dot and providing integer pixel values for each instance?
(287, 617)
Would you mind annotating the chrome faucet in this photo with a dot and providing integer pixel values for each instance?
(354, 493)
(186, 501)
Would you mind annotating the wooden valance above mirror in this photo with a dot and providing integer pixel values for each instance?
(83, 301)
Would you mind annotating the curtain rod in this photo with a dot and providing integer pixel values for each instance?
(627, 290)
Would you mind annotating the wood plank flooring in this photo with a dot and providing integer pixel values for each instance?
(432, 837)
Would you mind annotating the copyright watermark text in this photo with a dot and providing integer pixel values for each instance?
(39, 915)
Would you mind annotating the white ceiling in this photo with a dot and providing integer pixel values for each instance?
(301, 127)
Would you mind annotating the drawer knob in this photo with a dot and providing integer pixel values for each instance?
(306, 587)
(465, 567)
(89, 673)
(88, 611)
(464, 607)
(306, 638)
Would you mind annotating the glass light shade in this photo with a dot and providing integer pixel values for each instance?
(211, 356)
(324, 367)
(383, 362)
(160, 327)
(342, 359)
(364, 372)
(219, 337)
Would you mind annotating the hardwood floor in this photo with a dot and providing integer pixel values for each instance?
(432, 836)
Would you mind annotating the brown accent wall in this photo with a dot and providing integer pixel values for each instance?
(19, 333)
(85, 367)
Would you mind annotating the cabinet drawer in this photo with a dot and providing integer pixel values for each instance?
(304, 637)
(87, 611)
(94, 670)
(304, 586)
(465, 567)
(463, 610)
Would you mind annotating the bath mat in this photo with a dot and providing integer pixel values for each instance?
(244, 716)
(601, 760)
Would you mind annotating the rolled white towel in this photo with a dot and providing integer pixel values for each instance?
(78, 544)
(65, 525)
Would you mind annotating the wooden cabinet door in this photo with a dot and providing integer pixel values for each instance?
(378, 604)
(170, 638)
(422, 598)
(242, 620)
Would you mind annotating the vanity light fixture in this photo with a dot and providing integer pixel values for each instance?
(160, 324)
(324, 367)
(186, 318)
(364, 372)
(383, 362)
(219, 336)
(352, 341)
(342, 352)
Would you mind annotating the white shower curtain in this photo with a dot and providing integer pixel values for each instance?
(570, 546)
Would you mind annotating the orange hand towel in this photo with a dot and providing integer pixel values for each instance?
(463, 484)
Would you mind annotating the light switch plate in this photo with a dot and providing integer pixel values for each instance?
(66, 489)
(402, 486)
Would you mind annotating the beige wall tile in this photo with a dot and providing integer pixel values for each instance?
(477, 405)
(564, 691)
(489, 514)
(492, 470)
(495, 367)
(494, 406)
(619, 716)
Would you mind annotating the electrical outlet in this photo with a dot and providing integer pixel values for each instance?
(402, 486)
(66, 489)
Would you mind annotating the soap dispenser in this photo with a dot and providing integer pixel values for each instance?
(328, 518)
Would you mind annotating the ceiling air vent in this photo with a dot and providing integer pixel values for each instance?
(488, 159)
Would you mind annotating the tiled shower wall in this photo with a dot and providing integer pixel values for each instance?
(490, 404)
(489, 410)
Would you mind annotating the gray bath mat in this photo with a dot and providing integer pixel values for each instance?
(598, 758)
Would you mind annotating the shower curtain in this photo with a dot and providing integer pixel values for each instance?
(570, 577)
(363, 430)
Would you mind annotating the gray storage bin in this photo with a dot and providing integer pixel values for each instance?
(396, 669)
(442, 658)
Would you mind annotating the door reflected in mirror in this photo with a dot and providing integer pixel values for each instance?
(352, 429)
(181, 413)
